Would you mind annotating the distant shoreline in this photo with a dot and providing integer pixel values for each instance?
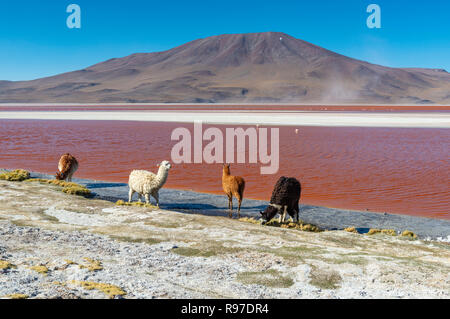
(300, 118)
(360, 107)
(216, 104)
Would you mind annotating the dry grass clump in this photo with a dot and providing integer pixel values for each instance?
(91, 264)
(77, 190)
(351, 230)
(269, 278)
(390, 232)
(249, 220)
(43, 270)
(5, 265)
(408, 233)
(17, 175)
(136, 204)
(108, 289)
(67, 187)
(374, 231)
(17, 296)
(274, 223)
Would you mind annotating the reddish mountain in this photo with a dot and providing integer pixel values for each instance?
(242, 68)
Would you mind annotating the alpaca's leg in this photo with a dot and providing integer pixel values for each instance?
(238, 196)
(239, 207)
(156, 197)
(283, 215)
(291, 216)
(130, 195)
(139, 197)
(230, 205)
(297, 210)
(147, 198)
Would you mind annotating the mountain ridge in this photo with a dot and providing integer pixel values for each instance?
(237, 68)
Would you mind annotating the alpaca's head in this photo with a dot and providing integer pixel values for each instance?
(59, 176)
(268, 214)
(226, 169)
(165, 165)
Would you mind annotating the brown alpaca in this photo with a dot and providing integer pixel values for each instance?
(232, 185)
(67, 166)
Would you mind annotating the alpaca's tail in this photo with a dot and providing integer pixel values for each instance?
(241, 189)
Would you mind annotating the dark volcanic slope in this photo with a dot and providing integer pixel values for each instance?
(244, 68)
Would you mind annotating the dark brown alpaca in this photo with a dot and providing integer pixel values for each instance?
(284, 200)
(232, 186)
(67, 166)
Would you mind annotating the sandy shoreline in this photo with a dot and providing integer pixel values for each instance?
(327, 218)
(338, 119)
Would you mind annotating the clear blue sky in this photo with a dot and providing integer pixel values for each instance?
(35, 41)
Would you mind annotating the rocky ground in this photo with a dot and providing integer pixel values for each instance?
(56, 245)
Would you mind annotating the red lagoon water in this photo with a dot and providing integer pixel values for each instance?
(395, 170)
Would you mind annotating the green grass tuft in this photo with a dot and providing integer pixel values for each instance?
(274, 223)
(390, 232)
(17, 296)
(374, 231)
(77, 190)
(135, 204)
(5, 265)
(91, 265)
(43, 270)
(193, 252)
(67, 187)
(108, 289)
(269, 278)
(324, 279)
(410, 234)
(148, 240)
(351, 230)
(17, 175)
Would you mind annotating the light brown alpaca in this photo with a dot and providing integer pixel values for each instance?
(232, 185)
(67, 166)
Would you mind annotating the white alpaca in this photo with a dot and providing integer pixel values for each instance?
(146, 183)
